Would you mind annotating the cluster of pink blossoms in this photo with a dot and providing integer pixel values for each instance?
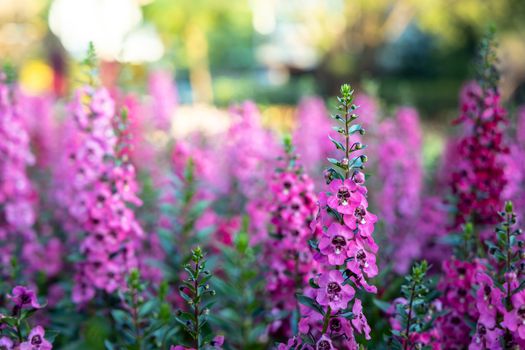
(292, 206)
(10, 335)
(250, 151)
(456, 286)
(515, 167)
(17, 196)
(345, 250)
(313, 124)
(479, 177)
(499, 296)
(99, 189)
(164, 97)
(400, 197)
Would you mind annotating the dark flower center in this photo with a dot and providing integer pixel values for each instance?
(334, 288)
(455, 320)
(343, 195)
(521, 312)
(338, 242)
(25, 299)
(482, 330)
(335, 325)
(360, 213)
(36, 340)
(324, 345)
(361, 257)
(487, 290)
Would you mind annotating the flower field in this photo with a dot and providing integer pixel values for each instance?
(121, 230)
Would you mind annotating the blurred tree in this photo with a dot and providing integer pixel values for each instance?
(203, 34)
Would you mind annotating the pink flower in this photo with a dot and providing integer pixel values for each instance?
(217, 342)
(324, 343)
(488, 300)
(36, 340)
(359, 319)
(345, 196)
(24, 298)
(6, 343)
(334, 244)
(332, 292)
(362, 262)
(514, 320)
(486, 338)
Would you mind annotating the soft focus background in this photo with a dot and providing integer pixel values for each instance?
(406, 51)
(184, 73)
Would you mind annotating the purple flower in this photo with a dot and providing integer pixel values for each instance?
(6, 344)
(359, 321)
(334, 244)
(324, 343)
(36, 340)
(514, 320)
(24, 298)
(345, 196)
(332, 292)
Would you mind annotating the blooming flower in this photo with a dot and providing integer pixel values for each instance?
(359, 319)
(36, 340)
(96, 183)
(479, 177)
(6, 343)
(333, 292)
(345, 196)
(334, 244)
(486, 338)
(514, 320)
(292, 207)
(24, 297)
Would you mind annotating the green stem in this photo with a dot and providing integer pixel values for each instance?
(326, 319)
(409, 318)
(347, 142)
(196, 309)
(136, 323)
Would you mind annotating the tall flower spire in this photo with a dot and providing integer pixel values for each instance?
(331, 312)
(17, 214)
(99, 186)
(292, 207)
(479, 177)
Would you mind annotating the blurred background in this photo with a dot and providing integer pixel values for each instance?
(221, 51)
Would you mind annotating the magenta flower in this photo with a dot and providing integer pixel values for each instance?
(333, 292)
(488, 300)
(36, 340)
(514, 320)
(486, 338)
(362, 262)
(345, 196)
(334, 244)
(6, 343)
(359, 319)
(97, 185)
(324, 343)
(24, 298)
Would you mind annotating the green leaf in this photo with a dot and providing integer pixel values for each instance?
(337, 144)
(356, 128)
(309, 302)
(382, 305)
